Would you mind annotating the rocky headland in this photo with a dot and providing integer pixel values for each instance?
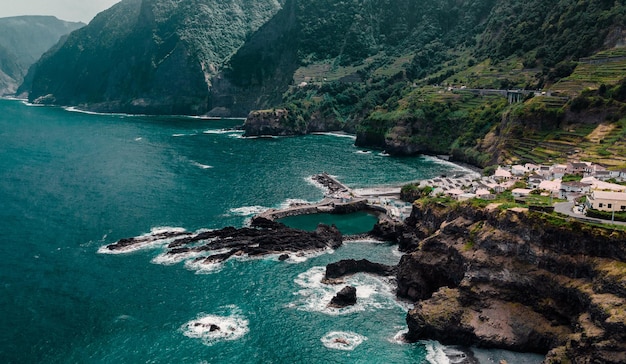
(478, 275)
(513, 279)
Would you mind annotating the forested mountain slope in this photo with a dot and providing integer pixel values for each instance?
(401, 74)
(23, 39)
(152, 56)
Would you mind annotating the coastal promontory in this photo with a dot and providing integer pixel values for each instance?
(515, 279)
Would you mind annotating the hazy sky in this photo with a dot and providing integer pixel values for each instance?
(73, 10)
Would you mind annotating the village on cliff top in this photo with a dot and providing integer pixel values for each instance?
(586, 186)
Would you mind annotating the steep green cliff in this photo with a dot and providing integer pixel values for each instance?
(152, 56)
(23, 39)
(405, 76)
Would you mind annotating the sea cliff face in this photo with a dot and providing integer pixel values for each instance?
(517, 280)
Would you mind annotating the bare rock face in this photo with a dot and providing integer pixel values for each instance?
(345, 297)
(516, 280)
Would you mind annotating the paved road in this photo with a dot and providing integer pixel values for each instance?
(566, 209)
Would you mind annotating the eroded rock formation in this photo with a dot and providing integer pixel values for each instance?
(518, 280)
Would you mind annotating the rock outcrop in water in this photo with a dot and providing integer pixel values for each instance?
(218, 245)
(344, 298)
(517, 280)
(346, 267)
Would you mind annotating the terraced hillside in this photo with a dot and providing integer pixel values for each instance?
(606, 67)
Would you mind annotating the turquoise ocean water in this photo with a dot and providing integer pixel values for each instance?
(72, 182)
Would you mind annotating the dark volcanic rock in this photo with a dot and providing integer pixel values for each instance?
(350, 266)
(345, 297)
(516, 280)
(272, 239)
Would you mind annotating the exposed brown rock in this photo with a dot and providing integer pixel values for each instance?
(517, 280)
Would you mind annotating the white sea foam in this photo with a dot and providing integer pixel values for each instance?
(171, 259)
(363, 152)
(384, 154)
(455, 167)
(313, 182)
(75, 109)
(292, 201)
(247, 210)
(301, 257)
(201, 267)
(314, 296)
(340, 340)
(396, 252)
(398, 338)
(179, 135)
(200, 165)
(222, 131)
(435, 353)
(338, 135)
(225, 328)
(138, 139)
(149, 240)
(31, 104)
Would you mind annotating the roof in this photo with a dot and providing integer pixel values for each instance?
(550, 185)
(600, 185)
(502, 173)
(603, 195)
(575, 184)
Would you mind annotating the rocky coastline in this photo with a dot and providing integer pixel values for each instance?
(280, 122)
(516, 280)
(493, 278)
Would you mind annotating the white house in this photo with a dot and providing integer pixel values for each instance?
(582, 168)
(531, 167)
(574, 189)
(607, 201)
(502, 174)
(559, 170)
(554, 187)
(596, 184)
(518, 170)
(534, 181)
(485, 194)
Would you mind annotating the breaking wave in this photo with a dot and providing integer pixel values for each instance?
(340, 340)
(156, 238)
(314, 296)
(212, 329)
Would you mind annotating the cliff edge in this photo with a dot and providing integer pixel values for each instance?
(514, 279)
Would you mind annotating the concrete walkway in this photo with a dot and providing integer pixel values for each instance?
(566, 208)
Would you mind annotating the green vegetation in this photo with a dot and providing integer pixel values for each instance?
(404, 76)
(412, 192)
(389, 89)
(572, 178)
(607, 215)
